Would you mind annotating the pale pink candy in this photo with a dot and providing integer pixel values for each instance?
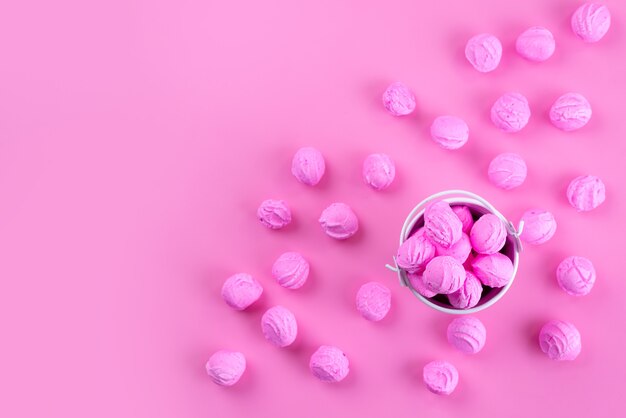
(586, 193)
(444, 274)
(440, 377)
(460, 250)
(507, 171)
(571, 111)
(469, 294)
(274, 214)
(560, 340)
(339, 221)
(226, 367)
(398, 99)
(484, 52)
(449, 132)
(467, 334)
(308, 166)
(535, 44)
(488, 234)
(576, 275)
(329, 364)
(493, 270)
(290, 270)
(510, 112)
(415, 252)
(373, 301)
(379, 171)
(442, 225)
(465, 216)
(241, 290)
(591, 21)
(279, 326)
(539, 226)
(417, 282)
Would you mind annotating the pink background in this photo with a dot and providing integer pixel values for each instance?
(137, 139)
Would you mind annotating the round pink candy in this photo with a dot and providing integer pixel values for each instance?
(484, 52)
(415, 252)
(510, 112)
(373, 301)
(225, 367)
(417, 282)
(576, 275)
(535, 44)
(493, 270)
(444, 274)
(279, 326)
(539, 226)
(465, 216)
(571, 111)
(339, 221)
(507, 171)
(241, 290)
(460, 250)
(442, 225)
(440, 377)
(308, 166)
(329, 364)
(586, 193)
(591, 21)
(469, 294)
(274, 214)
(449, 132)
(467, 334)
(399, 100)
(379, 171)
(488, 234)
(290, 270)
(560, 340)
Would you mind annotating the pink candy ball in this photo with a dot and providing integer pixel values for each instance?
(510, 112)
(460, 250)
(225, 367)
(560, 340)
(308, 166)
(484, 52)
(290, 270)
(274, 214)
(449, 132)
(442, 225)
(440, 377)
(576, 275)
(279, 326)
(571, 111)
(535, 44)
(591, 21)
(488, 234)
(373, 301)
(586, 193)
(379, 171)
(539, 226)
(329, 364)
(467, 334)
(339, 221)
(444, 274)
(469, 294)
(417, 282)
(415, 252)
(240, 291)
(399, 100)
(507, 171)
(493, 270)
(465, 216)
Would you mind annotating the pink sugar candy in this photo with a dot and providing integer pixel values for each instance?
(415, 252)
(469, 294)
(240, 291)
(560, 340)
(398, 99)
(467, 334)
(510, 112)
(507, 171)
(417, 282)
(493, 270)
(576, 275)
(586, 193)
(373, 301)
(329, 364)
(460, 250)
(339, 221)
(591, 21)
(465, 216)
(539, 226)
(274, 214)
(378, 171)
(444, 274)
(442, 225)
(279, 326)
(571, 111)
(535, 44)
(449, 132)
(308, 166)
(488, 234)
(225, 367)
(290, 270)
(440, 377)
(484, 52)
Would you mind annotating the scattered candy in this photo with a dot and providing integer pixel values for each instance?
(449, 132)
(373, 301)
(484, 52)
(442, 225)
(415, 252)
(240, 291)
(460, 250)
(469, 294)
(225, 367)
(308, 166)
(465, 216)
(440, 377)
(339, 221)
(467, 334)
(279, 326)
(576, 275)
(535, 44)
(507, 171)
(398, 99)
(444, 274)
(560, 340)
(274, 214)
(591, 21)
(586, 193)
(329, 364)
(510, 112)
(417, 282)
(571, 111)
(493, 270)
(488, 234)
(379, 171)
(290, 270)
(539, 226)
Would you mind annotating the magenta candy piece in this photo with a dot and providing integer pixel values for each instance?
(440, 377)
(226, 367)
(290, 270)
(274, 214)
(240, 291)
(570, 112)
(535, 44)
(586, 193)
(378, 171)
(510, 112)
(339, 221)
(560, 340)
(507, 171)
(449, 132)
(576, 275)
(488, 234)
(467, 334)
(484, 52)
(417, 282)
(279, 326)
(591, 21)
(469, 294)
(329, 364)
(399, 100)
(415, 252)
(442, 225)
(460, 250)
(373, 301)
(539, 226)
(308, 166)
(465, 216)
(493, 270)
(444, 274)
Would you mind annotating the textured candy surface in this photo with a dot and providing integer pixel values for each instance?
(444, 274)
(226, 367)
(571, 111)
(415, 252)
(442, 225)
(460, 250)
(510, 112)
(449, 132)
(467, 334)
(379, 171)
(560, 340)
(241, 290)
(329, 364)
(576, 275)
(440, 377)
(373, 301)
(465, 216)
(535, 44)
(308, 166)
(274, 214)
(488, 234)
(279, 326)
(290, 270)
(339, 221)
(398, 99)
(591, 21)
(539, 226)
(507, 171)
(493, 270)
(586, 193)
(469, 294)
(417, 283)
(484, 52)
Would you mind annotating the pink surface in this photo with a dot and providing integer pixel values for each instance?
(137, 139)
